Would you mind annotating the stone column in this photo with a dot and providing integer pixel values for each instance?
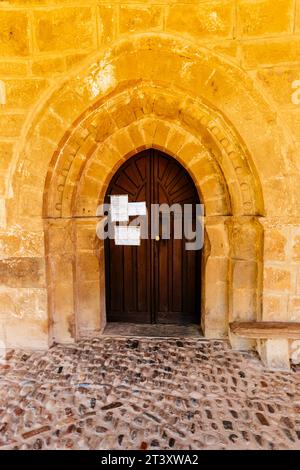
(89, 277)
(215, 269)
(246, 244)
(60, 265)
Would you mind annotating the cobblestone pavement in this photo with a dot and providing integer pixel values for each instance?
(146, 393)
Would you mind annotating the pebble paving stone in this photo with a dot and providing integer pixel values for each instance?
(146, 393)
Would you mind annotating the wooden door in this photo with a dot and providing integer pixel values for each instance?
(158, 281)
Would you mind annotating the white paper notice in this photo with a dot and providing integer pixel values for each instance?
(137, 208)
(119, 208)
(126, 235)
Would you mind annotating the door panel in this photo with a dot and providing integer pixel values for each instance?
(157, 281)
(129, 278)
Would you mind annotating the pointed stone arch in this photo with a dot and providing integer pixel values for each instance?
(154, 90)
(79, 174)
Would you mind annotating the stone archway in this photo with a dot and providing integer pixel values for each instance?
(83, 167)
(103, 113)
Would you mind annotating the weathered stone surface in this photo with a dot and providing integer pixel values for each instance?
(275, 307)
(139, 18)
(278, 83)
(66, 28)
(296, 249)
(23, 93)
(48, 67)
(275, 245)
(22, 272)
(265, 17)
(297, 25)
(277, 279)
(10, 126)
(208, 19)
(107, 23)
(272, 52)
(14, 33)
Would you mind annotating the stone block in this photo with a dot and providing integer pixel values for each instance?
(275, 244)
(12, 69)
(14, 33)
(60, 268)
(123, 142)
(297, 19)
(277, 189)
(52, 127)
(149, 129)
(18, 303)
(68, 104)
(105, 127)
(48, 67)
(244, 304)
(86, 236)
(217, 270)
(230, 48)
(166, 106)
(22, 272)
(4, 178)
(278, 83)
(277, 279)
(244, 274)
(60, 29)
(298, 283)
(73, 60)
(60, 237)
(107, 23)
(216, 207)
(295, 351)
(296, 249)
(265, 17)
(292, 118)
(192, 153)
(136, 135)
(275, 353)
(64, 330)
(213, 187)
(139, 18)
(246, 239)
(17, 242)
(10, 126)
(36, 336)
(275, 308)
(294, 308)
(241, 344)
(212, 19)
(202, 167)
(89, 306)
(23, 93)
(31, 201)
(6, 148)
(87, 267)
(270, 52)
(218, 240)
(90, 190)
(161, 134)
(215, 303)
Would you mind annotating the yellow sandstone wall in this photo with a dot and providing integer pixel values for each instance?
(44, 42)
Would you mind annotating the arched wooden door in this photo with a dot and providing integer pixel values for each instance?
(158, 281)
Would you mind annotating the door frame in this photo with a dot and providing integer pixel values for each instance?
(152, 255)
